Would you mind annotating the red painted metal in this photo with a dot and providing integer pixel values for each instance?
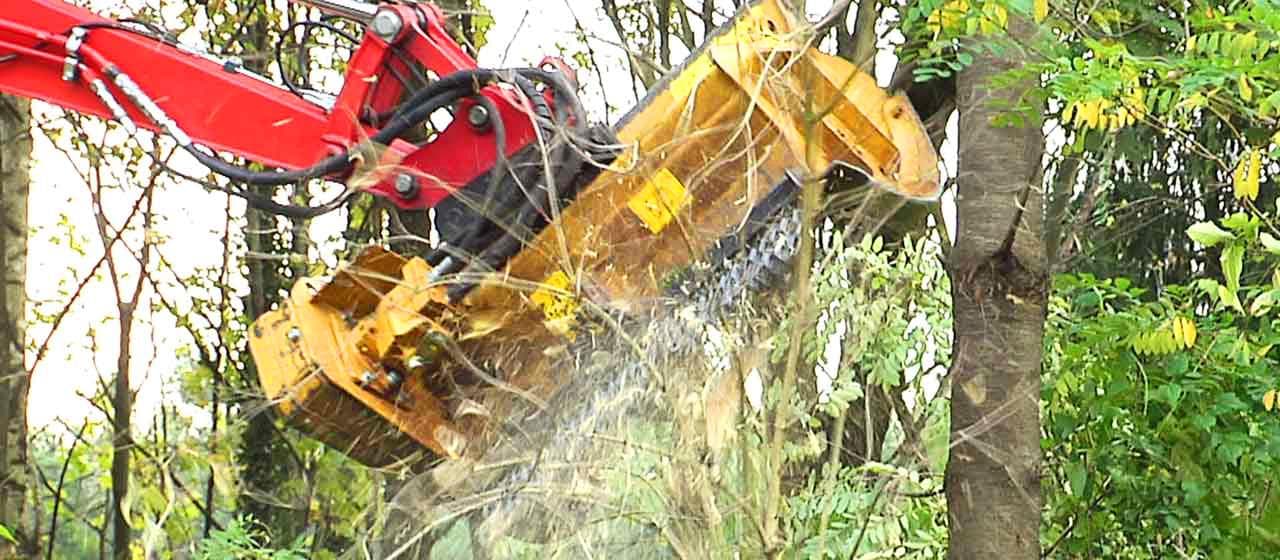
(235, 112)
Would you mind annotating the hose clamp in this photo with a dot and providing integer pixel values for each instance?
(71, 64)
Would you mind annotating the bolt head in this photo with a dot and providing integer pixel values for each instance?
(386, 24)
(394, 378)
(478, 116)
(367, 378)
(294, 334)
(406, 185)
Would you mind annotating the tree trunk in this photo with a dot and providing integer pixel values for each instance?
(266, 454)
(122, 395)
(122, 408)
(999, 289)
(15, 156)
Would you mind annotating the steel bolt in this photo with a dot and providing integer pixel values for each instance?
(406, 186)
(386, 24)
(478, 116)
(433, 345)
(394, 378)
(367, 378)
(294, 334)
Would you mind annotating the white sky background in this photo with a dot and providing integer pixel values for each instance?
(191, 222)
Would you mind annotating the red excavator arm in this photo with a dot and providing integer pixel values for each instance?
(65, 55)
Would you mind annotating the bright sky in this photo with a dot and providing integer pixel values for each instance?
(191, 220)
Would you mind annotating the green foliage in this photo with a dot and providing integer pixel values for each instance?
(889, 309)
(1164, 450)
(244, 539)
(864, 522)
(1154, 446)
(1157, 104)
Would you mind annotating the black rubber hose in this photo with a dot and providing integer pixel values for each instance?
(563, 91)
(417, 109)
(527, 221)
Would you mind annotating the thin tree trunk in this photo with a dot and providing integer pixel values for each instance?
(266, 455)
(15, 157)
(122, 413)
(999, 290)
(858, 43)
(122, 396)
(708, 17)
(665, 32)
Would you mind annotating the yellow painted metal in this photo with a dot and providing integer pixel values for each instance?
(658, 201)
(556, 297)
(313, 357)
(757, 105)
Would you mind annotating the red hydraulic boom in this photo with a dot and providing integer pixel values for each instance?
(68, 56)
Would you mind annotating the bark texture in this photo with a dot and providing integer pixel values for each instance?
(15, 473)
(999, 285)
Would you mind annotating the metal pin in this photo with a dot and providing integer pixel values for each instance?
(386, 24)
(440, 270)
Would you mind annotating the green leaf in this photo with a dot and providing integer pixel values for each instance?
(1171, 393)
(1208, 234)
(1232, 265)
(1261, 304)
(1230, 298)
(1076, 476)
(7, 534)
(1195, 491)
(1240, 222)
(1270, 243)
(1208, 285)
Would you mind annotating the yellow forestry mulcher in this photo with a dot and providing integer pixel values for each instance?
(397, 357)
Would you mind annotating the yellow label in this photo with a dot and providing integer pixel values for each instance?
(557, 306)
(658, 201)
